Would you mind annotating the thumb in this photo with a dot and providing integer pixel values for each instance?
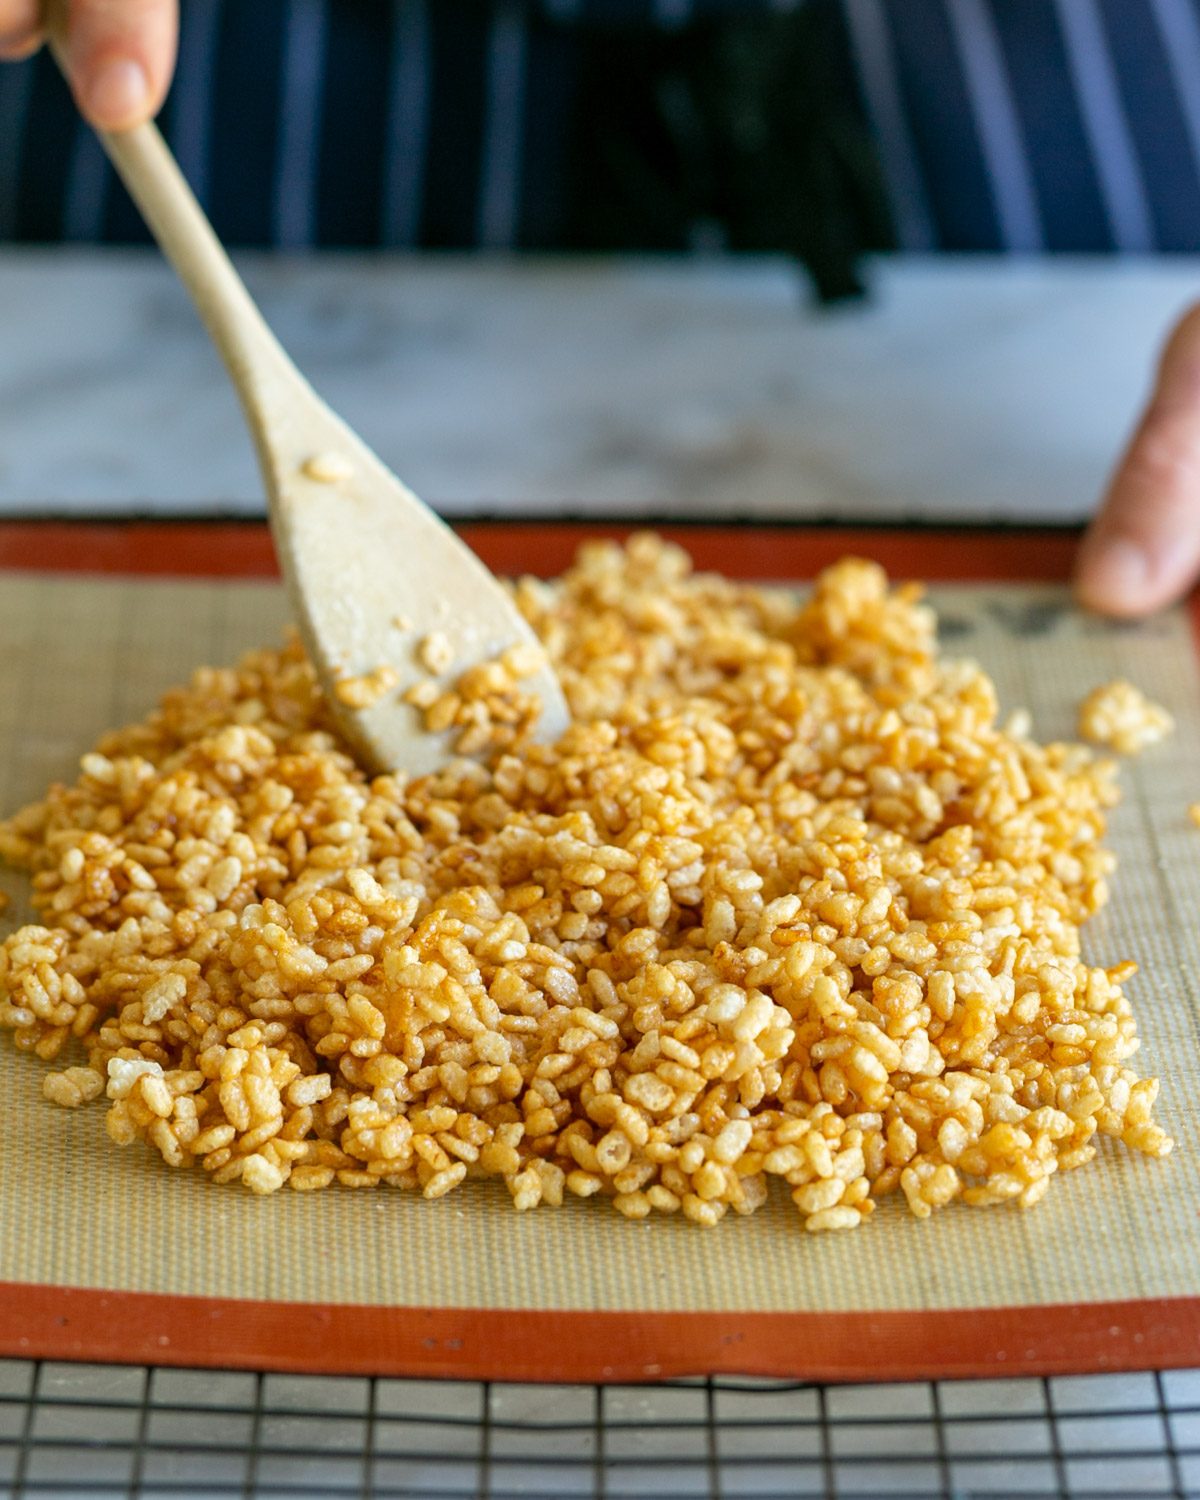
(120, 55)
(1143, 549)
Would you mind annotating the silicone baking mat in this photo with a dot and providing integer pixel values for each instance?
(105, 1253)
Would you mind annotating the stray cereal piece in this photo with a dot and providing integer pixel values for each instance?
(73, 1087)
(367, 689)
(1121, 717)
(435, 653)
(1194, 813)
(328, 468)
(523, 660)
(788, 907)
(423, 694)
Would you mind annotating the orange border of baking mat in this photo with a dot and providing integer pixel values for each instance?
(239, 549)
(135, 1327)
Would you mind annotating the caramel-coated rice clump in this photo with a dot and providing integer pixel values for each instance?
(1120, 717)
(784, 902)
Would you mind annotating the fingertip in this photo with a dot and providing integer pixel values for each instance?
(1114, 577)
(20, 29)
(1128, 578)
(120, 54)
(20, 43)
(115, 93)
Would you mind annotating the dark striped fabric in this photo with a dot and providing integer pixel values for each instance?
(818, 129)
(1035, 124)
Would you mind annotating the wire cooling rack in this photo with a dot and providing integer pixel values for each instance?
(92, 1430)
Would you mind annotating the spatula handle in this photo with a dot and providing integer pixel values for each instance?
(253, 355)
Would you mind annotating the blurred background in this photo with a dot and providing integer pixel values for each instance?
(865, 259)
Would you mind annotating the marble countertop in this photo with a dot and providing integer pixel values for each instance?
(972, 388)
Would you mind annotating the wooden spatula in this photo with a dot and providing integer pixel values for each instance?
(372, 573)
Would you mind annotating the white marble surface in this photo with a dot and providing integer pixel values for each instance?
(966, 388)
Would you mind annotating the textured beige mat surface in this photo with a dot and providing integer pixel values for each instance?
(78, 656)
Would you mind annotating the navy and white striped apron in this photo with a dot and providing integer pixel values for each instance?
(818, 129)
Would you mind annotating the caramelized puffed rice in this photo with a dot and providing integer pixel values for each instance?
(1121, 717)
(784, 902)
(435, 652)
(366, 689)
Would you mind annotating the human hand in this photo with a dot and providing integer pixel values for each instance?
(120, 53)
(1143, 549)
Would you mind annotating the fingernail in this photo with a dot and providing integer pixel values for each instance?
(117, 94)
(1115, 574)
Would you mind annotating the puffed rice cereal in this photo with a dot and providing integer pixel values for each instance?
(1121, 717)
(785, 902)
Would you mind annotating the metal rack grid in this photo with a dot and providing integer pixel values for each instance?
(93, 1430)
